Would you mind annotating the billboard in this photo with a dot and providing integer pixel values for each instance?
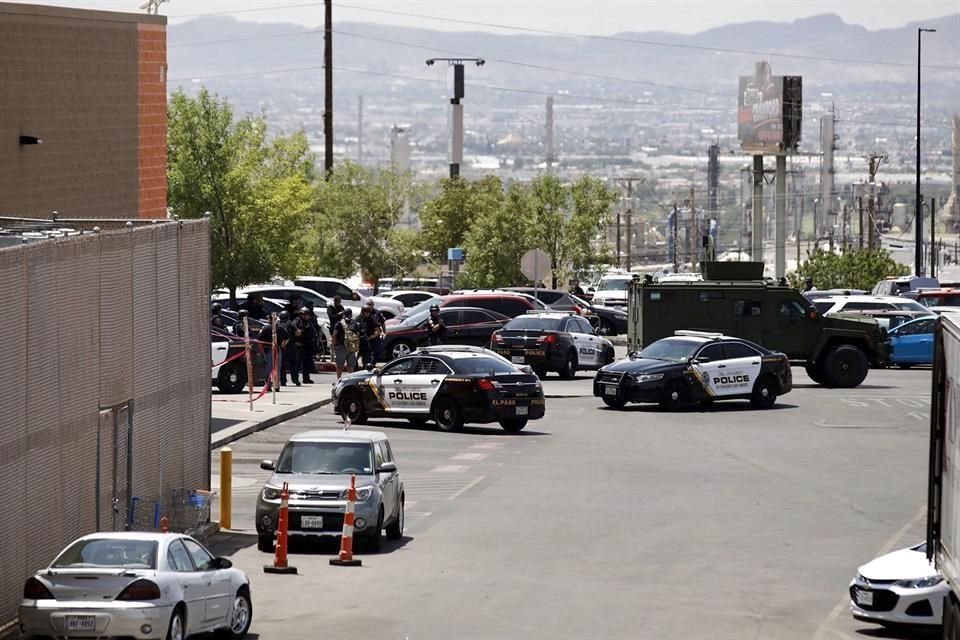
(769, 111)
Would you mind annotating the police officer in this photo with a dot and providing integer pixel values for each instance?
(335, 311)
(294, 348)
(308, 350)
(344, 358)
(436, 330)
(371, 326)
(238, 325)
(218, 325)
(254, 306)
(265, 340)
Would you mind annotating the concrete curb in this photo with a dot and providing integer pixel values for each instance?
(231, 434)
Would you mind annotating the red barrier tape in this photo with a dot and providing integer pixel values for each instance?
(263, 392)
(230, 359)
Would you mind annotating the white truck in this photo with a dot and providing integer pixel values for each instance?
(943, 504)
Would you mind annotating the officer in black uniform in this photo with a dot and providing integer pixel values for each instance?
(265, 338)
(294, 348)
(308, 349)
(218, 325)
(238, 325)
(436, 330)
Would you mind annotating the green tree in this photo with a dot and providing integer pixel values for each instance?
(568, 221)
(357, 210)
(446, 218)
(852, 269)
(497, 240)
(257, 190)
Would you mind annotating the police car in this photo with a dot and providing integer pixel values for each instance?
(696, 366)
(552, 341)
(451, 385)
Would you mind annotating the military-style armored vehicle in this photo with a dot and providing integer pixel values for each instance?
(735, 300)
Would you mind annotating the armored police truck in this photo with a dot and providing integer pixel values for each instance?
(735, 300)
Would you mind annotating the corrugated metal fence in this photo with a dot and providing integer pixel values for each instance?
(105, 391)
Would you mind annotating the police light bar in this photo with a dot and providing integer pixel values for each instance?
(697, 334)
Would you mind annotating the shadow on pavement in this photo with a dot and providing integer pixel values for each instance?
(331, 547)
(493, 429)
(901, 632)
(227, 544)
(722, 406)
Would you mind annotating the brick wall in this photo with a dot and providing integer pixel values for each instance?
(73, 79)
(152, 119)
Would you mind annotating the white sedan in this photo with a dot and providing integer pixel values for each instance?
(138, 585)
(899, 588)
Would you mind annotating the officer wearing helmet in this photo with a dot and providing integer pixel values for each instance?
(238, 325)
(436, 330)
(265, 341)
(217, 324)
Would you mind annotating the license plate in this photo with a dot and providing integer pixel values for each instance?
(311, 522)
(517, 359)
(81, 623)
(522, 411)
(865, 598)
(610, 391)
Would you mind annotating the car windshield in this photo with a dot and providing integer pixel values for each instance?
(672, 349)
(526, 323)
(616, 284)
(423, 307)
(325, 458)
(484, 364)
(415, 319)
(108, 553)
(910, 305)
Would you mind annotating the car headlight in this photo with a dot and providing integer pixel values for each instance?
(646, 377)
(363, 494)
(271, 493)
(921, 583)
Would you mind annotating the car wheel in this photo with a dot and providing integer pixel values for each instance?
(419, 421)
(401, 348)
(373, 539)
(265, 544)
(177, 628)
(569, 370)
(513, 425)
(232, 377)
(813, 372)
(845, 367)
(541, 371)
(351, 406)
(614, 402)
(607, 328)
(675, 396)
(395, 528)
(764, 393)
(240, 617)
(447, 415)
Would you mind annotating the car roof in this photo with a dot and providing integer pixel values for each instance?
(553, 315)
(868, 298)
(338, 435)
(321, 279)
(258, 288)
(132, 535)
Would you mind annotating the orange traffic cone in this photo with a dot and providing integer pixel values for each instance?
(280, 556)
(346, 558)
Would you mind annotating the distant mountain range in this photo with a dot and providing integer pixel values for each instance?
(703, 60)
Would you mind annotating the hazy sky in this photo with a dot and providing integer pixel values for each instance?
(578, 16)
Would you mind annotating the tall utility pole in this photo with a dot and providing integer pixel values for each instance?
(918, 221)
(630, 180)
(456, 109)
(873, 165)
(692, 231)
(327, 88)
(360, 130)
(674, 239)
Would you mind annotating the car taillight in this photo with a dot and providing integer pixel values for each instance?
(495, 338)
(140, 590)
(577, 310)
(547, 339)
(33, 589)
(485, 384)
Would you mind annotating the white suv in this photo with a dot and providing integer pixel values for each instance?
(330, 287)
(836, 304)
(611, 291)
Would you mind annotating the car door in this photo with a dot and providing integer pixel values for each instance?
(424, 383)
(913, 342)
(452, 319)
(585, 340)
(392, 385)
(385, 480)
(192, 582)
(740, 368)
(219, 589)
(476, 327)
(708, 367)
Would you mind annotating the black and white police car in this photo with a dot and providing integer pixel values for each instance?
(552, 341)
(696, 366)
(449, 384)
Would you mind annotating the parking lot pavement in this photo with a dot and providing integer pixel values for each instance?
(592, 523)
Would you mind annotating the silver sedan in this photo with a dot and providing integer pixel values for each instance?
(138, 585)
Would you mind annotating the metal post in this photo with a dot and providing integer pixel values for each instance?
(933, 238)
(246, 354)
(676, 227)
(780, 219)
(756, 236)
(226, 487)
(692, 232)
(629, 224)
(860, 213)
(619, 259)
(918, 221)
(327, 88)
(274, 374)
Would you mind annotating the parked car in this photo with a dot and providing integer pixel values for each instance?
(409, 297)
(611, 290)
(330, 287)
(900, 285)
(317, 465)
(465, 325)
(899, 588)
(938, 297)
(837, 304)
(508, 304)
(912, 342)
(449, 384)
(135, 584)
(553, 341)
(696, 366)
(893, 319)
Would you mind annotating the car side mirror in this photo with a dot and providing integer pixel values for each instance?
(387, 467)
(267, 465)
(222, 563)
(699, 360)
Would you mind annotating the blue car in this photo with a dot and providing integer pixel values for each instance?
(912, 342)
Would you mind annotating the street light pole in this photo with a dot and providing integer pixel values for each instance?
(918, 220)
(456, 149)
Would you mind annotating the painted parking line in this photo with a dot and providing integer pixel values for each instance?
(450, 468)
(469, 456)
(487, 445)
(474, 483)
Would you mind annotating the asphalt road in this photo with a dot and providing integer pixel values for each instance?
(593, 523)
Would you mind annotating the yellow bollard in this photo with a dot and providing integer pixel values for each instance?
(226, 486)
